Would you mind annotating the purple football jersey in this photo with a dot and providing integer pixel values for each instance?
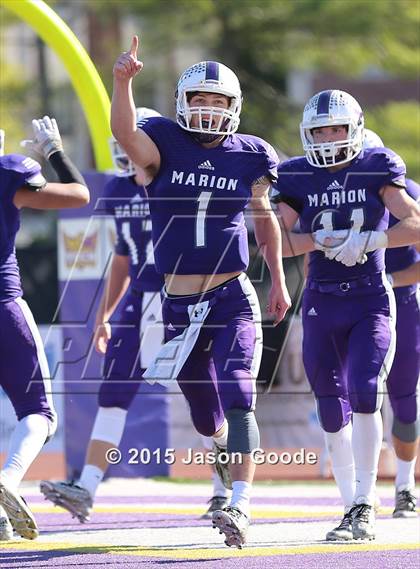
(198, 198)
(127, 203)
(402, 257)
(348, 198)
(16, 171)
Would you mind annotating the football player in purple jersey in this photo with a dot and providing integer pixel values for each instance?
(24, 373)
(403, 272)
(200, 177)
(342, 195)
(131, 300)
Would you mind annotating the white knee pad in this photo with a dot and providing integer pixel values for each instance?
(109, 425)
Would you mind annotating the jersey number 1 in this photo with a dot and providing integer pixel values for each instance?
(200, 222)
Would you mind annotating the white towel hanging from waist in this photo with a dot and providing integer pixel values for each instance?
(173, 355)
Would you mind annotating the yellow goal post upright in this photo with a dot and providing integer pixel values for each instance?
(83, 74)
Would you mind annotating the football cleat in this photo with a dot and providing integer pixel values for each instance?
(216, 503)
(222, 466)
(69, 496)
(363, 521)
(233, 523)
(405, 505)
(6, 530)
(344, 530)
(18, 512)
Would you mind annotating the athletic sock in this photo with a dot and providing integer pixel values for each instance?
(366, 443)
(405, 474)
(241, 496)
(340, 450)
(90, 478)
(26, 442)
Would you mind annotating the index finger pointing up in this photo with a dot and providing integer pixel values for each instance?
(134, 46)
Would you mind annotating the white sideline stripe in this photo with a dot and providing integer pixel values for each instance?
(389, 357)
(254, 303)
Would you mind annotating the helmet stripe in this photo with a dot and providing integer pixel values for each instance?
(323, 106)
(212, 70)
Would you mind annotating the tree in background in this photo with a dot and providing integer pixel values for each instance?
(263, 41)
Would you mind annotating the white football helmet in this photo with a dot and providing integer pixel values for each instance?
(209, 77)
(372, 140)
(122, 163)
(332, 108)
(2, 134)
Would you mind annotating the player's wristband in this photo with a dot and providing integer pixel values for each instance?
(390, 279)
(66, 171)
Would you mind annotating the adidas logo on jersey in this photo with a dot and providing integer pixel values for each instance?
(171, 327)
(130, 308)
(312, 312)
(136, 198)
(335, 186)
(206, 165)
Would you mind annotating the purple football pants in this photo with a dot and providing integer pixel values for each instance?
(24, 373)
(122, 372)
(404, 375)
(221, 370)
(348, 346)
(124, 358)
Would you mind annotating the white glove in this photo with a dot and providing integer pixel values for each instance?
(359, 244)
(329, 241)
(47, 139)
(375, 240)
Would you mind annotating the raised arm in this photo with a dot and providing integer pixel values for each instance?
(71, 191)
(138, 145)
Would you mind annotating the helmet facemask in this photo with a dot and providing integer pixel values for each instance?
(210, 121)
